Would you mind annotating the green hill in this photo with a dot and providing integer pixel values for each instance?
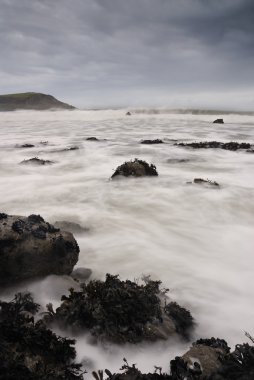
(31, 101)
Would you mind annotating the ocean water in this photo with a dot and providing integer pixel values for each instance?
(197, 240)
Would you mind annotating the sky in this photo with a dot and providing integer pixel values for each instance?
(134, 53)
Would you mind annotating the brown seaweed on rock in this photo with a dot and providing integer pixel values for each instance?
(28, 349)
(120, 311)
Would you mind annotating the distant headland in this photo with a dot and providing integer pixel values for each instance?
(31, 101)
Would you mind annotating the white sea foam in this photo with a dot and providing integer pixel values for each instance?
(198, 241)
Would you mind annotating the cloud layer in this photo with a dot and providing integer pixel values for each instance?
(135, 52)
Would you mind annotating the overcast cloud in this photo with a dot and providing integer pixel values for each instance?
(92, 53)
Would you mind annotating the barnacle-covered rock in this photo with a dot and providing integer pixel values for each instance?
(31, 247)
(135, 168)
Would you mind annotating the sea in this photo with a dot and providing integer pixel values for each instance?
(198, 240)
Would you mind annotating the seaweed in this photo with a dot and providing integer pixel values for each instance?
(114, 310)
(29, 350)
(182, 318)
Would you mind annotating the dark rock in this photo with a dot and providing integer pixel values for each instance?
(218, 121)
(136, 168)
(36, 161)
(149, 142)
(92, 139)
(72, 227)
(215, 144)
(202, 181)
(118, 311)
(26, 146)
(31, 247)
(81, 274)
(177, 160)
(250, 150)
(128, 113)
(3, 215)
(30, 351)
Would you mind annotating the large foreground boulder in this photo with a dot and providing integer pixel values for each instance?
(31, 247)
(135, 168)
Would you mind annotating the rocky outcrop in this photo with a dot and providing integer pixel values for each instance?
(216, 144)
(136, 168)
(218, 121)
(31, 101)
(36, 161)
(31, 247)
(150, 142)
(121, 311)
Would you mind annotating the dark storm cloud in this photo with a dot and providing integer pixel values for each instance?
(136, 51)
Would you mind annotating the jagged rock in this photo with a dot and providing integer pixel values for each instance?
(72, 227)
(149, 142)
(120, 311)
(36, 161)
(30, 351)
(218, 121)
(31, 247)
(81, 274)
(216, 144)
(136, 168)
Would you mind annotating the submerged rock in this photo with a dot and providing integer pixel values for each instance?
(31, 247)
(207, 182)
(92, 139)
(81, 274)
(149, 142)
(215, 144)
(72, 227)
(177, 160)
(136, 168)
(121, 311)
(25, 146)
(218, 121)
(128, 113)
(29, 350)
(36, 161)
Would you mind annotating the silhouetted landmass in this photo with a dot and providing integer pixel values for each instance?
(31, 101)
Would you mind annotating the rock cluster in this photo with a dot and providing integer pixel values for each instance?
(215, 144)
(31, 247)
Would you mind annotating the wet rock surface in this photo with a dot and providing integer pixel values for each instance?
(31, 247)
(135, 168)
(150, 142)
(92, 139)
(36, 161)
(121, 311)
(218, 121)
(217, 145)
(28, 349)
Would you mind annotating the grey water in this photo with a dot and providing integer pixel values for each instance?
(197, 240)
